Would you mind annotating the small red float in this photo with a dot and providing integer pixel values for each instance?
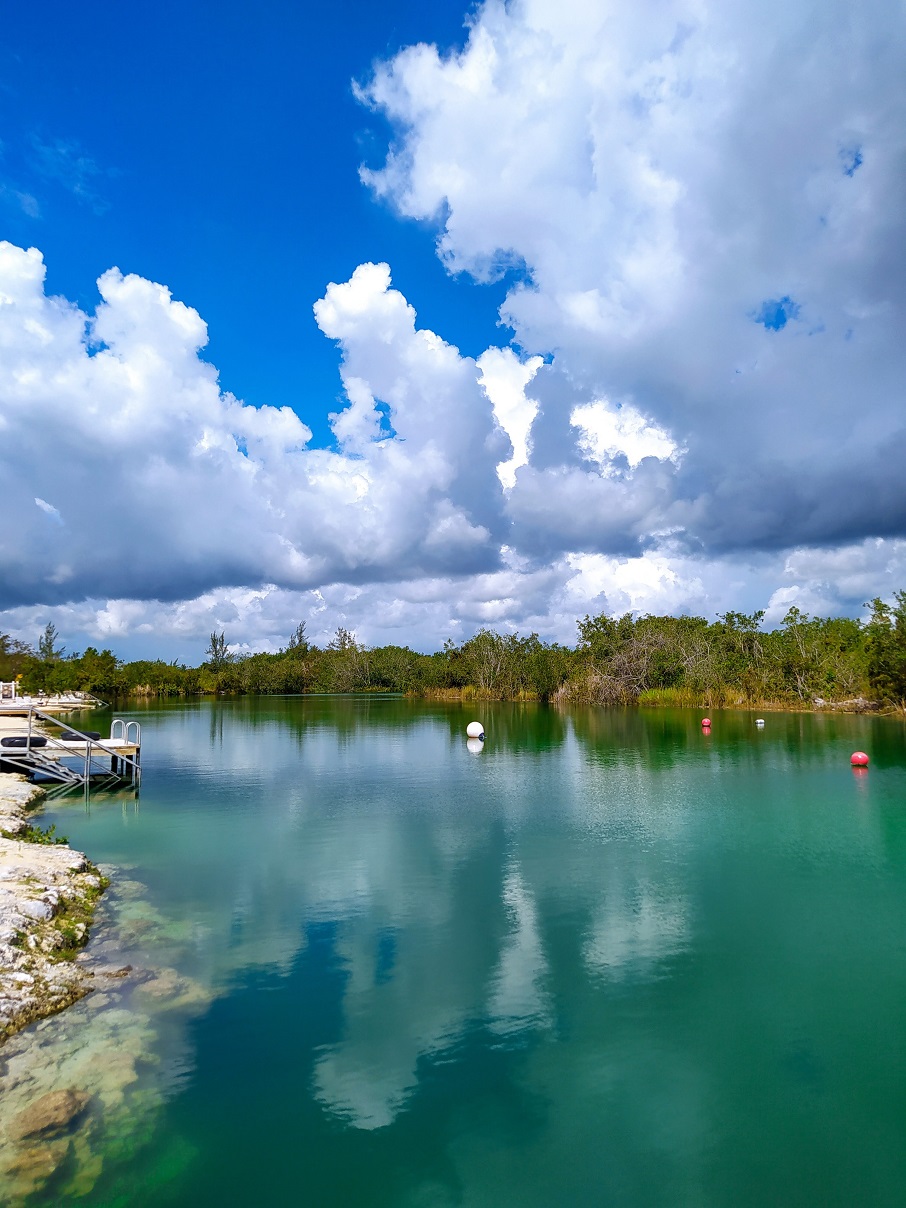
(706, 721)
(859, 759)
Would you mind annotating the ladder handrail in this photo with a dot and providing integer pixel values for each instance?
(32, 756)
(120, 728)
(94, 742)
(91, 742)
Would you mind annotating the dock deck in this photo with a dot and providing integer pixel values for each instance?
(40, 743)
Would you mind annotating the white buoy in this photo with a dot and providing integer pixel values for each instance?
(759, 721)
(475, 729)
(475, 745)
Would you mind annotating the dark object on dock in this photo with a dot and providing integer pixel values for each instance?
(25, 740)
(76, 736)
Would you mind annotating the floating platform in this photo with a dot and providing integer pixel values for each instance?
(39, 744)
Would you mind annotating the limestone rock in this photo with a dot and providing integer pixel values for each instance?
(50, 1116)
(115, 971)
(35, 1164)
(47, 896)
(35, 908)
(169, 990)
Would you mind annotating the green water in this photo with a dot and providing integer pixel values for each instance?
(608, 960)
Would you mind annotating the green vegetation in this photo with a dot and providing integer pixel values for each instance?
(75, 915)
(645, 660)
(37, 834)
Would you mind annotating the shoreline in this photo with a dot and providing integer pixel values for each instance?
(650, 698)
(84, 1060)
(48, 894)
(854, 705)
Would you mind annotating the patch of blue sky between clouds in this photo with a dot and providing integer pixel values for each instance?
(386, 430)
(775, 313)
(851, 158)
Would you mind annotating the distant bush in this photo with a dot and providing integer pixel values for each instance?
(650, 660)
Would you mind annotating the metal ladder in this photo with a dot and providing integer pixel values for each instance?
(31, 758)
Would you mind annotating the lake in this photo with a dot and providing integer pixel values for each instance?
(606, 960)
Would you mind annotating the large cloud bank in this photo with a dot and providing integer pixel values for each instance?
(128, 473)
(706, 206)
(710, 204)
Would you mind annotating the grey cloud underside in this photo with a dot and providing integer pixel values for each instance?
(128, 473)
(787, 455)
(171, 526)
(662, 190)
(169, 558)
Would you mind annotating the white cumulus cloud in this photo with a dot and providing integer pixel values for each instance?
(707, 200)
(169, 486)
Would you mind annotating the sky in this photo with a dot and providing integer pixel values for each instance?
(415, 319)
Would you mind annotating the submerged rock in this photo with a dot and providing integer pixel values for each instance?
(114, 971)
(122, 1047)
(170, 990)
(50, 1116)
(35, 1165)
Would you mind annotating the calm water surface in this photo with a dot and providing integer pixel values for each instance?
(607, 961)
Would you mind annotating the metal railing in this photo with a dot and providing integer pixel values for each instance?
(31, 757)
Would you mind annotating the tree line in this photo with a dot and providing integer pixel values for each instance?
(616, 660)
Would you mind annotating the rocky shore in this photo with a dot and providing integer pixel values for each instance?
(48, 894)
(81, 1090)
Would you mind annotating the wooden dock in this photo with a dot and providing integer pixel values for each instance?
(40, 743)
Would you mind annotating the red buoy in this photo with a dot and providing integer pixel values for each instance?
(706, 721)
(859, 759)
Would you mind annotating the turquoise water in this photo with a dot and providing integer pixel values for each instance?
(608, 960)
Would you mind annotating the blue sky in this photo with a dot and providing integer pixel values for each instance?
(216, 148)
(414, 319)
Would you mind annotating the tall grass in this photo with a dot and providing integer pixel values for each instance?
(676, 698)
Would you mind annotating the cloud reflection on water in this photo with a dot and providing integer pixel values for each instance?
(503, 903)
